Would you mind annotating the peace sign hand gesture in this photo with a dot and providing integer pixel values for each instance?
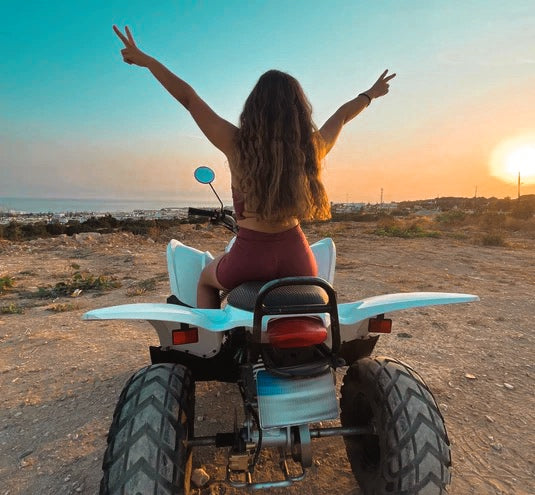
(381, 86)
(131, 53)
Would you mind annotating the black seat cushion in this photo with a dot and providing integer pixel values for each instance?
(244, 296)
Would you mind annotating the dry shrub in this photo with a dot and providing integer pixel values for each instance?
(519, 225)
(523, 210)
(141, 287)
(12, 309)
(492, 239)
(147, 285)
(451, 217)
(6, 282)
(79, 282)
(406, 228)
(490, 220)
(62, 307)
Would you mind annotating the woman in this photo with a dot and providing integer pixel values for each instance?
(274, 159)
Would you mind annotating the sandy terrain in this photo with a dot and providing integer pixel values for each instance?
(60, 377)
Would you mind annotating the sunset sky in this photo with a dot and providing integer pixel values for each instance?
(75, 121)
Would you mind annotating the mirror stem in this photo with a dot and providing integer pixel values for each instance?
(217, 196)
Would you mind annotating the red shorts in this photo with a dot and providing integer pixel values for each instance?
(263, 256)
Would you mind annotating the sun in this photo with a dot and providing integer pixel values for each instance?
(521, 160)
(513, 157)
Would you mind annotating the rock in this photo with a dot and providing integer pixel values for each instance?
(498, 447)
(470, 376)
(508, 386)
(200, 477)
(86, 236)
(26, 453)
(490, 419)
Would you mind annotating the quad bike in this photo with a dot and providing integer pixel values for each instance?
(280, 342)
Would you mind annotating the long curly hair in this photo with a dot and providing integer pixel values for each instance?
(277, 165)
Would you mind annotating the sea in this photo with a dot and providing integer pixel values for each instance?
(74, 205)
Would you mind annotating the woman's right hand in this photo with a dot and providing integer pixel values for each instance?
(131, 53)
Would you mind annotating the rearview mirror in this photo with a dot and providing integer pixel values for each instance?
(204, 175)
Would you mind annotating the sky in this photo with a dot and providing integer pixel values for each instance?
(459, 120)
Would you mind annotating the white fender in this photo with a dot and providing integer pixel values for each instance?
(185, 265)
(325, 254)
(219, 320)
(215, 320)
(351, 313)
(165, 317)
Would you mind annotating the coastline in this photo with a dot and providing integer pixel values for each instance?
(82, 216)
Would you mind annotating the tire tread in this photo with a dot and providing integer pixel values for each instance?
(153, 416)
(414, 446)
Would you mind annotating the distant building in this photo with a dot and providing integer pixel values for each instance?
(347, 207)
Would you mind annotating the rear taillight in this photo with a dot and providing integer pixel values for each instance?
(189, 336)
(299, 331)
(380, 324)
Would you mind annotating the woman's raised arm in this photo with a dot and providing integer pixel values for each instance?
(220, 132)
(330, 131)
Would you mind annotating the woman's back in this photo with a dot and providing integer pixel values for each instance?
(275, 166)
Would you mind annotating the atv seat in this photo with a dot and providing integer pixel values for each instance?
(244, 296)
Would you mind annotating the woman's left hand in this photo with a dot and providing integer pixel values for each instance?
(381, 86)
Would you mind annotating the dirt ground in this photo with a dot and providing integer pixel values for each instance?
(60, 377)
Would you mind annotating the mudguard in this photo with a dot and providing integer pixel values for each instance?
(212, 322)
(350, 313)
(185, 264)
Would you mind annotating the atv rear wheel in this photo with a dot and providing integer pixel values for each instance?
(146, 451)
(410, 452)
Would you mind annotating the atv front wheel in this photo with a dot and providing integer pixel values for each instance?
(409, 454)
(146, 450)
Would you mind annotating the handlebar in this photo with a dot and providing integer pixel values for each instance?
(217, 216)
(201, 213)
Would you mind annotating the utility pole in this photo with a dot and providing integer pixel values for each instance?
(381, 196)
(519, 184)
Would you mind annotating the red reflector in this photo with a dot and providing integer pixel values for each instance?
(380, 325)
(189, 336)
(296, 332)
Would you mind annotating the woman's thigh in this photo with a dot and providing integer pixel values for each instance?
(209, 273)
